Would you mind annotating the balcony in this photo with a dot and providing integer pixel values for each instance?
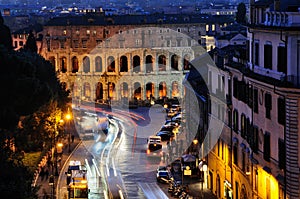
(282, 19)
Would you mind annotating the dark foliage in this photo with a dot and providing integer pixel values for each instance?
(241, 14)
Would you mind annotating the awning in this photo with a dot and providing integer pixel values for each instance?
(235, 140)
(280, 179)
(267, 169)
(243, 146)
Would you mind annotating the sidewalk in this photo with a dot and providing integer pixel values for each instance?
(46, 191)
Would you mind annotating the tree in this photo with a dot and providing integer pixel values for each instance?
(31, 43)
(28, 83)
(5, 35)
(241, 14)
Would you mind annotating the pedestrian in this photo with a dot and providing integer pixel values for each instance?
(42, 173)
(47, 174)
(72, 137)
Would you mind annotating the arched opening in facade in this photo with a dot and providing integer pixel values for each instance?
(162, 62)
(64, 85)
(111, 90)
(87, 90)
(63, 64)
(186, 62)
(111, 64)
(174, 62)
(75, 64)
(124, 90)
(137, 93)
(149, 90)
(123, 64)
(99, 91)
(52, 61)
(175, 89)
(98, 64)
(136, 64)
(86, 64)
(149, 64)
(162, 90)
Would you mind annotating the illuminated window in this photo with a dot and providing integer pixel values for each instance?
(88, 32)
(65, 32)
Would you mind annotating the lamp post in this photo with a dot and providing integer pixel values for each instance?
(51, 183)
(203, 169)
(68, 117)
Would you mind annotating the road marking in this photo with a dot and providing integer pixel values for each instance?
(152, 190)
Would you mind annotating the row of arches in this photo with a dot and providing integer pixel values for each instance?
(124, 64)
(125, 90)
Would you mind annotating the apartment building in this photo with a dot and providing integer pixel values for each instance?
(257, 153)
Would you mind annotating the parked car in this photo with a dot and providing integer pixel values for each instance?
(165, 135)
(162, 175)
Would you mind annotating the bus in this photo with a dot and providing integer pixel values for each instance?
(77, 181)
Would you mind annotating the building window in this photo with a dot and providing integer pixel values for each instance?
(178, 30)
(94, 32)
(235, 154)
(84, 42)
(282, 59)
(267, 146)
(281, 110)
(255, 100)
(268, 105)
(281, 153)
(88, 32)
(207, 27)
(62, 44)
(76, 43)
(243, 160)
(21, 43)
(254, 143)
(65, 32)
(77, 32)
(243, 126)
(268, 56)
(213, 27)
(256, 53)
(235, 121)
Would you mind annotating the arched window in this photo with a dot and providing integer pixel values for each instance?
(75, 66)
(186, 62)
(136, 64)
(52, 61)
(175, 89)
(86, 64)
(162, 89)
(149, 63)
(137, 90)
(98, 64)
(123, 64)
(174, 62)
(162, 61)
(63, 64)
(111, 64)
(99, 91)
(149, 90)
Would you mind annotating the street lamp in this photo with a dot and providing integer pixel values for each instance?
(51, 183)
(68, 117)
(203, 169)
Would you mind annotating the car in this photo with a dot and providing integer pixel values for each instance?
(162, 176)
(165, 135)
(167, 128)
